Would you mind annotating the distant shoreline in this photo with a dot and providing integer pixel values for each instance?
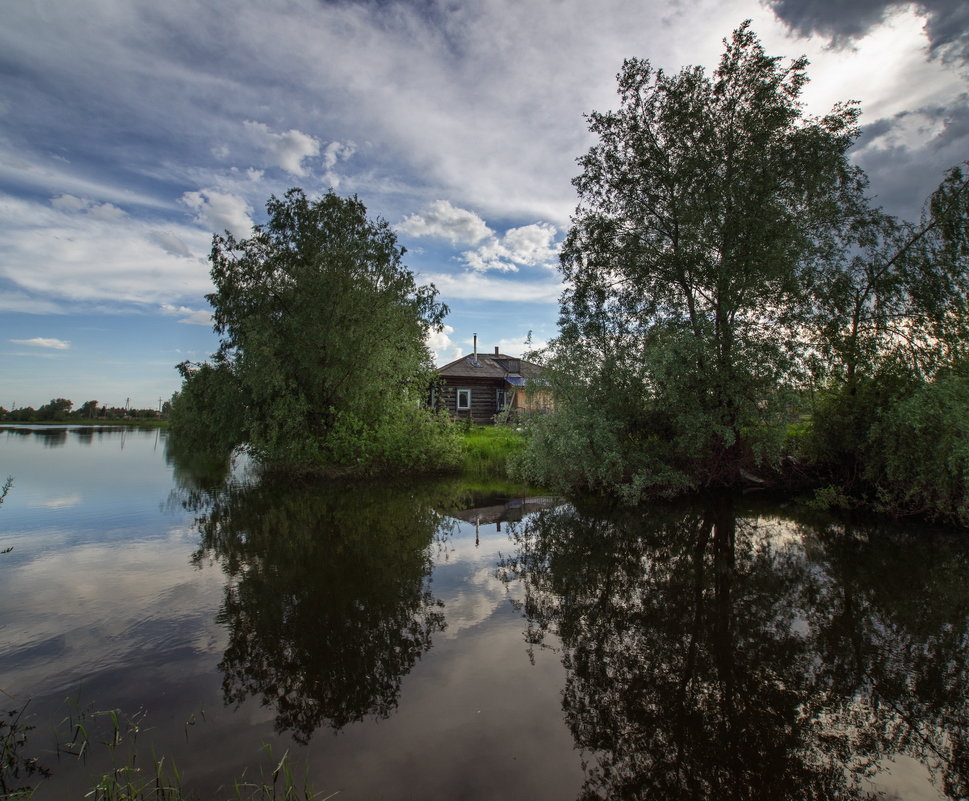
(134, 422)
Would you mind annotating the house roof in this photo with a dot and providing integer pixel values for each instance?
(490, 365)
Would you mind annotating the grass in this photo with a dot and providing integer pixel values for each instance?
(488, 448)
(158, 779)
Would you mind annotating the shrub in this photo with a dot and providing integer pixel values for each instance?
(918, 452)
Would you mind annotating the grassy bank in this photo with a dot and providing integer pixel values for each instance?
(488, 448)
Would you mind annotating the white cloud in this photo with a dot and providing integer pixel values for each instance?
(444, 221)
(58, 256)
(286, 150)
(334, 153)
(475, 286)
(56, 176)
(171, 243)
(69, 203)
(440, 342)
(337, 151)
(529, 245)
(188, 316)
(220, 211)
(106, 211)
(517, 347)
(24, 303)
(102, 211)
(44, 342)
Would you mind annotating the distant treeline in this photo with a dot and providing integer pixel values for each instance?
(62, 410)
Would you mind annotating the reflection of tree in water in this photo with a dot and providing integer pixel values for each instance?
(51, 437)
(707, 660)
(329, 605)
(197, 472)
(889, 616)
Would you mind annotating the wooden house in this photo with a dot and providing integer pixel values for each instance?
(480, 386)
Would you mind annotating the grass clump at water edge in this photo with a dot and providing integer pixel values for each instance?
(22, 775)
(487, 449)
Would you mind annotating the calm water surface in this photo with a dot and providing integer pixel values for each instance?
(428, 641)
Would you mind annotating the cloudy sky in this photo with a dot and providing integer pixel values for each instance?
(130, 132)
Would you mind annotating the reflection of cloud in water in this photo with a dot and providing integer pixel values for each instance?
(64, 502)
(465, 578)
(904, 777)
(106, 605)
(475, 603)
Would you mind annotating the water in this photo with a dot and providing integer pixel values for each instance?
(425, 640)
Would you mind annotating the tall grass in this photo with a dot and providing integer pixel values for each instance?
(486, 449)
(129, 778)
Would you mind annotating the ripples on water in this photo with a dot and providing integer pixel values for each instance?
(435, 641)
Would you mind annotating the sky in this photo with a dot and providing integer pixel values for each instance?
(131, 132)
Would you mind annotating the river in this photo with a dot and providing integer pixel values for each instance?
(443, 640)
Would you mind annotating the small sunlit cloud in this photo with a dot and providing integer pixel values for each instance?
(189, 316)
(440, 343)
(442, 220)
(44, 342)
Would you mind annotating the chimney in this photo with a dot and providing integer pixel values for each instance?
(496, 351)
(476, 347)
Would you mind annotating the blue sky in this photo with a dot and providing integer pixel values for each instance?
(130, 132)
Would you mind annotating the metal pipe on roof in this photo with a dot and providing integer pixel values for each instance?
(476, 347)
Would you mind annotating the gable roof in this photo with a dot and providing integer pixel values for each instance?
(490, 365)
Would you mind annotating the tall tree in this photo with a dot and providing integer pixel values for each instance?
(692, 254)
(323, 330)
(57, 409)
(890, 313)
(895, 295)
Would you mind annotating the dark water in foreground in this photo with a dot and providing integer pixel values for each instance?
(428, 641)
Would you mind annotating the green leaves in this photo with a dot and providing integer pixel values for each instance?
(690, 259)
(323, 330)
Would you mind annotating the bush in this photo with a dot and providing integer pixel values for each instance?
(918, 452)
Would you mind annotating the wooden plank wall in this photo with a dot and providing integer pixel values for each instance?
(482, 400)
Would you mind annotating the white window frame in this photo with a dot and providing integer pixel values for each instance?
(463, 392)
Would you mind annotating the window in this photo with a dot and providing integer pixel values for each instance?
(501, 399)
(464, 399)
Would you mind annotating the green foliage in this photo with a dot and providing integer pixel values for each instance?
(829, 498)
(57, 409)
(488, 450)
(918, 452)
(689, 261)
(19, 771)
(893, 296)
(582, 446)
(4, 489)
(207, 410)
(842, 419)
(724, 262)
(88, 410)
(322, 343)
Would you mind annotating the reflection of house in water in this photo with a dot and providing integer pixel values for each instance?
(498, 509)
